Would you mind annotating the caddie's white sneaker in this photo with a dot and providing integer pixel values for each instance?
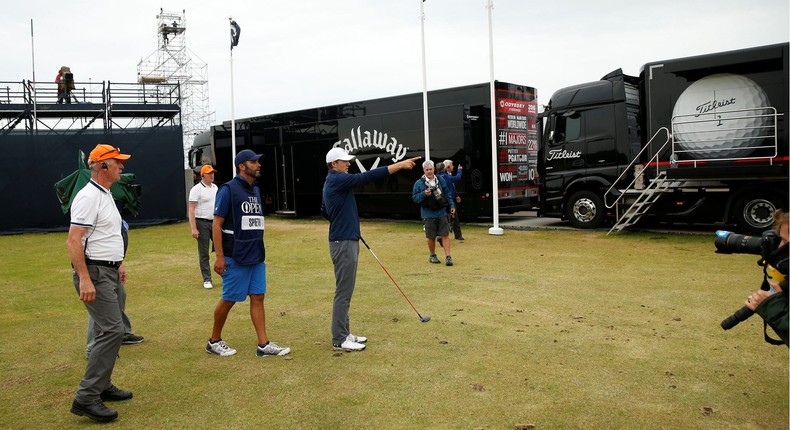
(219, 348)
(271, 349)
(357, 339)
(349, 346)
(207, 285)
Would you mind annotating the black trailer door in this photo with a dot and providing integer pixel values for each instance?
(277, 179)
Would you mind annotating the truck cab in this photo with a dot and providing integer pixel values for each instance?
(589, 132)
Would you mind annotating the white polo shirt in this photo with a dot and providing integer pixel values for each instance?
(204, 196)
(94, 208)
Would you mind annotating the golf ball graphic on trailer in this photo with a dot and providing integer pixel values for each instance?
(721, 116)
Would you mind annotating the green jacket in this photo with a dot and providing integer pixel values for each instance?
(774, 311)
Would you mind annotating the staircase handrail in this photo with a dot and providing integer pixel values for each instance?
(633, 163)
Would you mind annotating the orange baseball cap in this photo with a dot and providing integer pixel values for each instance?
(104, 151)
(207, 169)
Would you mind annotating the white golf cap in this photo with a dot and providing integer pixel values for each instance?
(335, 154)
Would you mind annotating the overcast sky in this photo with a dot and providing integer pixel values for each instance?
(296, 54)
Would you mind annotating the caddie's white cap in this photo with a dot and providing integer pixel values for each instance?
(335, 154)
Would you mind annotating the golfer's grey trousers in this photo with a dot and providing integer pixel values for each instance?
(106, 314)
(345, 256)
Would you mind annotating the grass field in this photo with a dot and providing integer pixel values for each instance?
(560, 329)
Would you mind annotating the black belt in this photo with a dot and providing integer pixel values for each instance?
(115, 264)
(204, 219)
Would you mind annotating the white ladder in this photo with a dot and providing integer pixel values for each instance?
(657, 187)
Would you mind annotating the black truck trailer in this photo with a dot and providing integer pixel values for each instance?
(384, 131)
(698, 139)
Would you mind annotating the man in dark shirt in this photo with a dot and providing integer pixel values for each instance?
(340, 208)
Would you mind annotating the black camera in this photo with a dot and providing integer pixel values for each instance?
(730, 243)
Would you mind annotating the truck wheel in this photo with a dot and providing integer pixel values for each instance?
(755, 214)
(584, 209)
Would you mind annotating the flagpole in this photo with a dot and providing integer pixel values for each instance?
(33, 56)
(232, 113)
(424, 83)
(495, 230)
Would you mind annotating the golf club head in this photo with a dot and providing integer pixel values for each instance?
(425, 318)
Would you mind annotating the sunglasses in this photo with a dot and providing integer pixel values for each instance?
(109, 151)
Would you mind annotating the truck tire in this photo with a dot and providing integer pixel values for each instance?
(755, 213)
(585, 209)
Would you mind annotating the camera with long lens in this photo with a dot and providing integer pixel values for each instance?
(728, 242)
(731, 243)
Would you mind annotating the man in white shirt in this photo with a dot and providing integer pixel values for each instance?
(201, 216)
(95, 245)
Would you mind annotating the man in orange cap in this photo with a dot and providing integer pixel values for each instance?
(201, 216)
(95, 245)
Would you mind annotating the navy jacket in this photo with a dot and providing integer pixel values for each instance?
(339, 205)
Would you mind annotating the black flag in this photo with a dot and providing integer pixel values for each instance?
(235, 32)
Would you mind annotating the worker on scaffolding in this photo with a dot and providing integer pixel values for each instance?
(65, 81)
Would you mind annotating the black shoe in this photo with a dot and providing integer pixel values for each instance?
(95, 411)
(459, 238)
(132, 339)
(115, 394)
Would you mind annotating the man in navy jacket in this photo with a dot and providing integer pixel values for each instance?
(340, 208)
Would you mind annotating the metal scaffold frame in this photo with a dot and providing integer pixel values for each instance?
(30, 107)
(172, 63)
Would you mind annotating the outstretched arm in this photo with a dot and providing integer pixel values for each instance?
(405, 164)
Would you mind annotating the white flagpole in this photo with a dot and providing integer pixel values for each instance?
(33, 55)
(495, 230)
(424, 83)
(232, 114)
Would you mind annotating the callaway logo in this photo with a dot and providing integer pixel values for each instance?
(360, 140)
(558, 154)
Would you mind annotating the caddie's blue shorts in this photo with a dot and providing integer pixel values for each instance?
(241, 280)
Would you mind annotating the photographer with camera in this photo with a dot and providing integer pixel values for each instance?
(772, 305)
(430, 192)
(771, 301)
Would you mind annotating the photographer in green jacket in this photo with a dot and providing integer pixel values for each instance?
(772, 305)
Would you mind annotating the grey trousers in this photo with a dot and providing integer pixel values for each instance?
(106, 314)
(204, 237)
(127, 324)
(345, 256)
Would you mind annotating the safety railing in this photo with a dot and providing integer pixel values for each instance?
(144, 93)
(736, 134)
(12, 93)
(640, 174)
(29, 92)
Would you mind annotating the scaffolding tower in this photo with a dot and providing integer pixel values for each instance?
(172, 63)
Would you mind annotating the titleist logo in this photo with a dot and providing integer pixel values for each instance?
(558, 154)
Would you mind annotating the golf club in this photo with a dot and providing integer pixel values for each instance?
(425, 318)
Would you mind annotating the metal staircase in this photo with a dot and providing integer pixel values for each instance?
(641, 206)
(645, 195)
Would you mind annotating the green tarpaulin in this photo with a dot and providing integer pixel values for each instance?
(125, 192)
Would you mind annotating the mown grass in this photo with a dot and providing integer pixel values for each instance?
(560, 329)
